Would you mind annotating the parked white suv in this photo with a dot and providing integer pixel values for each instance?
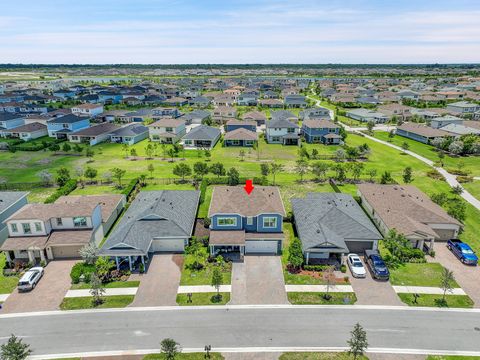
(356, 266)
(30, 279)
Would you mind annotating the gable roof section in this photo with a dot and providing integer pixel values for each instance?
(241, 134)
(8, 198)
(202, 132)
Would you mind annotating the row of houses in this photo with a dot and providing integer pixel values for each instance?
(329, 225)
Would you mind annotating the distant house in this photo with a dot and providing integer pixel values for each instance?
(10, 121)
(10, 202)
(26, 132)
(410, 212)
(93, 135)
(439, 122)
(90, 110)
(247, 99)
(60, 127)
(460, 130)
(295, 101)
(330, 225)
(130, 134)
(366, 115)
(259, 117)
(420, 132)
(271, 103)
(222, 114)
(160, 112)
(281, 131)
(321, 131)
(109, 97)
(175, 101)
(408, 94)
(64, 94)
(315, 113)
(196, 117)
(240, 137)
(425, 114)
(155, 222)
(200, 101)
(167, 130)
(237, 124)
(463, 107)
(284, 115)
(246, 224)
(201, 137)
(401, 112)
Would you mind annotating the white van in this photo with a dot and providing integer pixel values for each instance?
(30, 279)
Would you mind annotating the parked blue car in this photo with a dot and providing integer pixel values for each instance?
(377, 265)
(462, 251)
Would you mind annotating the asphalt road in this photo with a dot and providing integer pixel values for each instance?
(56, 333)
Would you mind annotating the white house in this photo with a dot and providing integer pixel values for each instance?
(90, 110)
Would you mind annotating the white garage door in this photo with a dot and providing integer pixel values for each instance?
(167, 245)
(66, 252)
(261, 246)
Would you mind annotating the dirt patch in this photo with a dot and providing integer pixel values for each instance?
(200, 229)
(44, 161)
(319, 275)
(178, 260)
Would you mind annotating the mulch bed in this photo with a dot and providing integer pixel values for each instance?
(200, 230)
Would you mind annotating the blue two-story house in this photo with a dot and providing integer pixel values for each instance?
(62, 126)
(242, 224)
(321, 131)
(109, 97)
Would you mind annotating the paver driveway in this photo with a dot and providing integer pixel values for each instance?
(468, 277)
(373, 292)
(159, 285)
(49, 292)
(258, 280)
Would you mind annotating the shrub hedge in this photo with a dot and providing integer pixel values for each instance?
(64, 190)
(80, 269)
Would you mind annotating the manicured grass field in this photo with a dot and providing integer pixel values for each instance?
(117, 301)
(110, 285)
(427, 274)
(317, 298)
(204, 276)
(203, 299)
(7, 283)
(473, 187)
(453, 301)
(452, 357)
(319, 356)
(185, 356)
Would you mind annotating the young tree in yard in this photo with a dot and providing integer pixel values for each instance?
(89, 253)
(171, 153)
(314, 154)
(242, 155)
(457, 190)
(200, 169)
(54, 147)
(217, 279)
(358, 341)
(126, 149)
(264, 170)
(15, 349)
(301, 168)
(66, 147)
(439, 198)
(151, 169)
(340, 174)
(407, 175)
(118, 174)
(391, 135)
(446, 283)
(63, 175)
(89, 153)
(356, 169)
(182, 170)
(90, 173)
(96, 289)
(405, 146)
(149, 151)
(372, 173)
(207, 155)
(133, 152)
(386, 178)
(233, 177)
(457, 209)
(170, 349)
(370, 126)
(330, 280)
(456, 147)
(441, 157)
(274, 169)
(164, 151)
(46, 177)
(319, 169)
(142, 180)
(295, 254)
(340, 155)
(77, 148)
(217, 169)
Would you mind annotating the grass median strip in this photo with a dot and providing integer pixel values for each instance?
(319, 356)
(428, 300)
(117, 301)
(318, 298)
(203, 299)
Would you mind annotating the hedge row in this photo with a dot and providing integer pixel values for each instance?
(64, 190)
(203, 190)
(33, 146)
(130, 187)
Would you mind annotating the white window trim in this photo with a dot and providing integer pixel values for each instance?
(225, 218)
(268, 218)
(249, 220)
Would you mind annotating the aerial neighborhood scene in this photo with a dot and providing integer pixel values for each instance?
(240, 180)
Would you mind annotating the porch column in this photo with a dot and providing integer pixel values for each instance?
(31, 256)
(308, 257)
(130, 262)
(8, 257)
(212, 249)
(42, 256)
(432, 241)
(143, 261)
(116, 262)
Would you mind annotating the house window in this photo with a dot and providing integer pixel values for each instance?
(169, 129)
(227, 221)
(59, 222)
(269, 222)
(26, 228)
(188, 142)
(65, 126)
(235, 142)
(14, 228)
(249, 220)
(79, 221)
(291, 130)
(38, 226)
(248, 142)
(332, 130)
(275, 139)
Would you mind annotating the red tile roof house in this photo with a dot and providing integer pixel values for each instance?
(38, 232)
(409, 211)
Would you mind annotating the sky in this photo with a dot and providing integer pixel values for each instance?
(237, 32)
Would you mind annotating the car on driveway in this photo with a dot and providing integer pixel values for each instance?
(356, 267)
(376, 265)
(462, 251)
(30, 279)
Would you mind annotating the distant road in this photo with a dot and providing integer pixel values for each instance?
(242, 327)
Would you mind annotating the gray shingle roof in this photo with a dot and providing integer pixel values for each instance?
(130, 130)
(67, 119)
(330, 219)
(202, 132)
(8, 198)
(154, 214)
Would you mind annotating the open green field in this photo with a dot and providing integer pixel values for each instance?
(473, 188)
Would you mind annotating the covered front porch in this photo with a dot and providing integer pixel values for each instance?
(229, 244)
(291, 139)
(127, 258)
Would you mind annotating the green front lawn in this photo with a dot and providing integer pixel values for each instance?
(110, 285)
(185, 356)
(427, 274)
(453, 301)
(317, 298)
(318, 356)
(203, 276)
(203, 299)
(117, 301)
(7, 283)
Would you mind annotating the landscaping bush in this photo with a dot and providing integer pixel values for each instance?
(319, 268)
(464, 179)
(434, 174)
(203, 189)
(66, 189)
(80, 269)
(343, 268)
(130, 187)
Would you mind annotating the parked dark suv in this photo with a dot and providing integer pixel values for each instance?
(376, 265)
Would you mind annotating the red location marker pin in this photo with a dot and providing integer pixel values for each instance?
(249, 186)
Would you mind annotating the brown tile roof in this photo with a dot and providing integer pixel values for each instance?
(25, 243)
(423, 130)
(73, 237)
(235, 200)
(167, 122)
(227, 237)
(28, 128)
(241, 122)
(45, 212)
(256, 115)
(316, 124)
(88, 106)
(241, 134)
(108, 203)
(472, 123)
(405, 208)
(97, 130)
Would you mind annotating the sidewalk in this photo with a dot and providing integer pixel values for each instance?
(426, 290)
(108, 292)
(203, 289)
(319, 288)
(4, 297)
